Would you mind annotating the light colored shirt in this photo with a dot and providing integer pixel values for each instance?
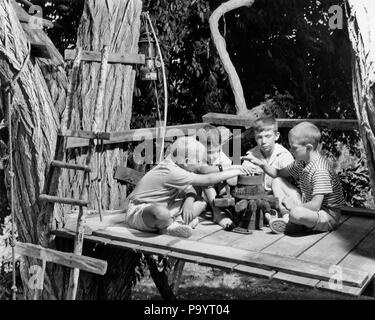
(318, 178)
(163, 184)
(221, 158)
(280, 158)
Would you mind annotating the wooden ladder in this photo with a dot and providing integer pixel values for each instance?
(94, 135)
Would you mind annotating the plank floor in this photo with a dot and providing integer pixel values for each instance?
(342, 260)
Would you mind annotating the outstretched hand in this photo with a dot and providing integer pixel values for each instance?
(244, 171)
(252, 159)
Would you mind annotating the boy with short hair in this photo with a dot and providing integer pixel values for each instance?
(216, 138)
(315, 204)
(266, 135)
(156, 200)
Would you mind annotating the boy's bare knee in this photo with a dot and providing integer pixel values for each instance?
(297, 214)
(158, 216)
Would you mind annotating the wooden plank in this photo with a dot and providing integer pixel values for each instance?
(222, 237)
(333, 248)
(315, 269)
(65, 165)
(63, 258)
(361, 258)
(295, 245)
(258, 240)
(73, 202)
(204, 228)
(254, 271)
(128, 174)
(93, 222)
(359, 212)
(63, 233)
(246, 121)
(93, 56)
(85, 134)
(142, 134)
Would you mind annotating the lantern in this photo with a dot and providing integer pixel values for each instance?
(147, 47)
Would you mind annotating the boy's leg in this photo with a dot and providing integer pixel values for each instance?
(218, 216)
(156, 217)
(316, 220)
(285, 192)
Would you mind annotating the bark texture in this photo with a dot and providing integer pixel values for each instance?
(115, 23)
(361, 25)
(34, 132)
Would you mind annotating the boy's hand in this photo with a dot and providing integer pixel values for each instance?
(253, 160)
(188, 210)
(244, 172)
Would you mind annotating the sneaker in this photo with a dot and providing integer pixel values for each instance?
(193, 224)
(278, 225)
(178, 230)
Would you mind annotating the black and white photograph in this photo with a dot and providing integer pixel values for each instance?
(188, 156)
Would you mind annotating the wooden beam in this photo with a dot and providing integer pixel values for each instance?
(142, 134)
(63, 258)
(73, 202)
(360, 212)
(128, 175)
(65, 165)
(85, 134)
(310, 269)
(232, 120)
(92, 56)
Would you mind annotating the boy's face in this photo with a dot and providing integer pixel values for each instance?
(266, 139)
(299, 151)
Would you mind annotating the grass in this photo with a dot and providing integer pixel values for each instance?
(206, 283)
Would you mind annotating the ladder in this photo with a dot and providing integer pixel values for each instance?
(93, 136)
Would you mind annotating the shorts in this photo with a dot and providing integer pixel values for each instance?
(328, 220)
(134, 218)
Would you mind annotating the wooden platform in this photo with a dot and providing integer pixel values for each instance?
(311, 260)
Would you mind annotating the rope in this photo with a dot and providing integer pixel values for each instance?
(9, 90)
(163, 132)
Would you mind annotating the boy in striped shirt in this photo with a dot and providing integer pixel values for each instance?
(314, 204)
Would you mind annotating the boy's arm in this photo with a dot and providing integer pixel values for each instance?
(315, 204)
(271, 171)
(215, 168)
(203, 180)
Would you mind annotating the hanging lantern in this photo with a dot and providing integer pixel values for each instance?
(147, 47)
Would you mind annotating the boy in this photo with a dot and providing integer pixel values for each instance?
(266, 134)
(320, 187)
(216, 137)
(153, 205)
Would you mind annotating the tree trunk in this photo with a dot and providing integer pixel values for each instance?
(34, 133)
(361, 25)
(115, 23)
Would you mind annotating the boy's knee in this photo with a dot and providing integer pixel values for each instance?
(159, 215)
(276, 182)
(297, 214)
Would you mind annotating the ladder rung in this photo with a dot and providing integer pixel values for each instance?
(61, 164)
(74, 202)
(85, 134)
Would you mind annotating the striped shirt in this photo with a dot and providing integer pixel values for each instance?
(317, 178)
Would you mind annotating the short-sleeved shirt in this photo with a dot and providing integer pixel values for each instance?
(163, 184)
(280, 158)
(318, 178)
(222, 158)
